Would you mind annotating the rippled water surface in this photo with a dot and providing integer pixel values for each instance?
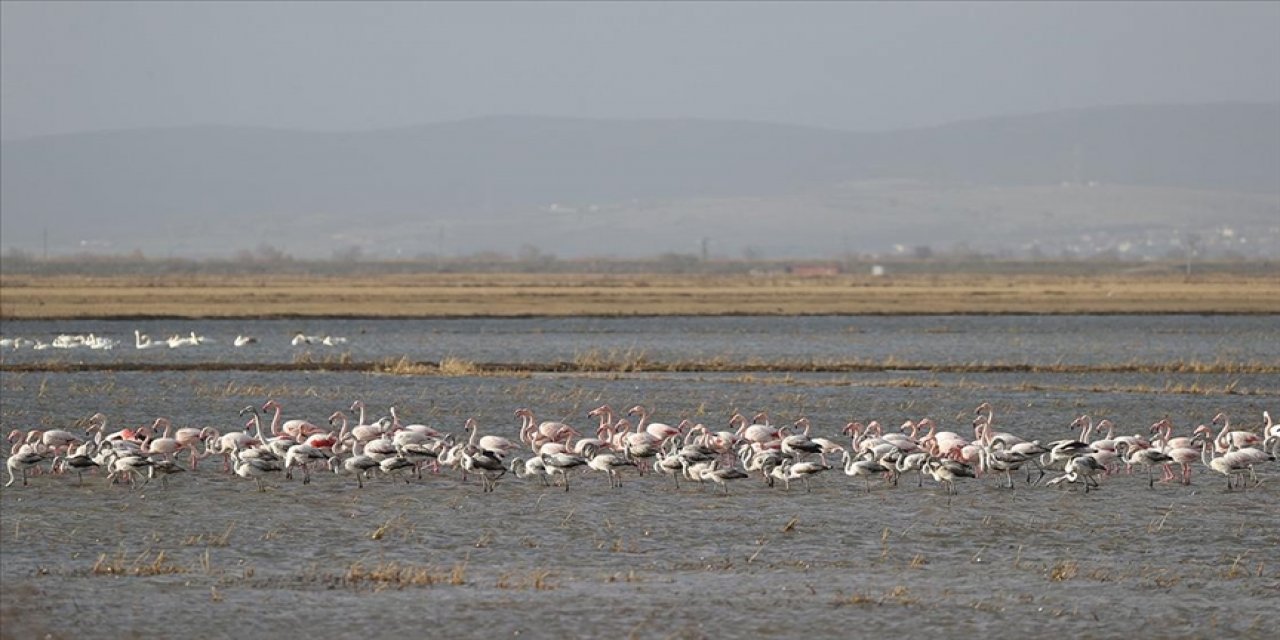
(439, 558)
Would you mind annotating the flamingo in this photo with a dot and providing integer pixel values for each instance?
(561, 463)
(802, 470)
(294, 428)
(799, 445)
(721, 476)
(130, 465)
(759, 433)
(358, 464)
(165, 468)
(660, 431)
(189, 437)
(301, 455)
(416, 429)
(999, 459)
(546, 431)
(945, 471)
(20, 462)
(257, 468)
(949, 443)
(861, 467)
(670, 465)
(1227, 438)
(80, 460)
(533, 466)
(1272, 431)
(496, 445)
(165, 445)
(1084, 468)
(610, 464)
(395, 465)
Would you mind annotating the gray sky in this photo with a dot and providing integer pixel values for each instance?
(68, 67)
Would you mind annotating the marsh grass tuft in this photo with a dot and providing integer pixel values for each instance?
(538, 580)
(451, 366)
(1064, 570)
(144, 564)
(403, 366)
(210, 539)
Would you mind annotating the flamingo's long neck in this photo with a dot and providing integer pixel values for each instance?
(275, 422)
(1226, 425)
(257, 425)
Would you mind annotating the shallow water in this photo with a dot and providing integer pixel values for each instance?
(646, 559)
(1084, 340)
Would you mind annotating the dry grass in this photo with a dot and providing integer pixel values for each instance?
(513, 295)
(143, 564)
(397, 576)
(595, 363)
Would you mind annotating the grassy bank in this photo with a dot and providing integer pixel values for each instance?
(445, 295)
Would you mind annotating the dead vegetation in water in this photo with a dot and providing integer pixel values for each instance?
(537, 580)
(749, 371)
(210, 539)
(898, 595)
(143, 564)
(394, 575)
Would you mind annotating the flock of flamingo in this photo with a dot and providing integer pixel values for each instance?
(144, 341)
(552, 452)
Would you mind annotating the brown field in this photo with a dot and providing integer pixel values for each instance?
(453, 295)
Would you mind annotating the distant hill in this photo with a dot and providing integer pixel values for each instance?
(573, 186)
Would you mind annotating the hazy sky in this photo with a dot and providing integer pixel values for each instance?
(68, 66)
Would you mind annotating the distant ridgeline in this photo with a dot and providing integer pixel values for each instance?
(1140, 181)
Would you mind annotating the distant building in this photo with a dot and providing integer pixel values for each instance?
(877, 270)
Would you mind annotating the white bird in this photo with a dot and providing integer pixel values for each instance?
(561, 463)
(864, 468)
(802, 470)
(610, 464)
(945, 471)
(257, 468)
(21, 462)
(721, 476)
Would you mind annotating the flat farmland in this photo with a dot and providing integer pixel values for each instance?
(516, 295)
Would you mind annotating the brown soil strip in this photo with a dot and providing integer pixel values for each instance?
(524, 295)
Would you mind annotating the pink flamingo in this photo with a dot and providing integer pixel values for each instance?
(659, 430)
(492, 444)
(1227, 438)
(756, 432)
(294, 428)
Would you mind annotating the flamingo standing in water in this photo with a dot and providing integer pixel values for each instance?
(1228, 438)
(714, 473)
(561, 463)
(659, 430)
(294, 428)
(20, 462)
(861, 467)
(946, 471)
(610, 464)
